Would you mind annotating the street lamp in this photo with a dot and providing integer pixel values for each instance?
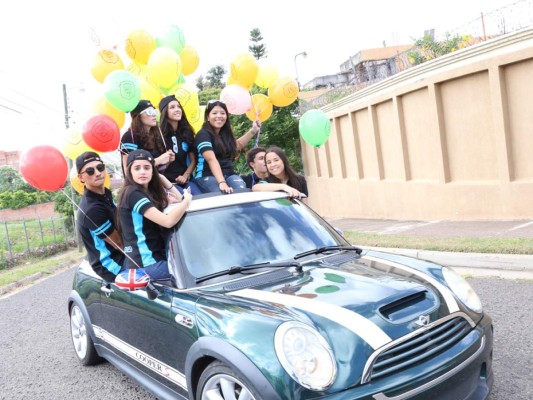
(304, 54)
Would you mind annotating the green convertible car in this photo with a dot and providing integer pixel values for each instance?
(268, 301)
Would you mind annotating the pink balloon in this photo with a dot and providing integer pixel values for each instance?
(44, 167)
(101, 133)
(236, 98)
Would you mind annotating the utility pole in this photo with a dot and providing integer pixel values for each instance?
(70, 166)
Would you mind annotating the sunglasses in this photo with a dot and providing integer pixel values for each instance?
(214, 101)
(150, 111)
(91, 170)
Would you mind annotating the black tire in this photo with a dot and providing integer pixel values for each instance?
(235, 384)
(81, 339)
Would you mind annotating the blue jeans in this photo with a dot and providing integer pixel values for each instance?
(194, 188)
(157, 271)
(210, 184)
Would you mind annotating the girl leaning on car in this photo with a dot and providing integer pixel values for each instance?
(141, 219)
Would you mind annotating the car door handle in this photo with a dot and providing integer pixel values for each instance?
(107, 289)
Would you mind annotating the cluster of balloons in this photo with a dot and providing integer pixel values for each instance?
(245, 70)
(157, 67)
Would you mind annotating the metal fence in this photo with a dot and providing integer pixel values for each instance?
(27, 236)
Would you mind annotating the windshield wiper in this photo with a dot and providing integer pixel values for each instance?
(328, 248)
(239, 269)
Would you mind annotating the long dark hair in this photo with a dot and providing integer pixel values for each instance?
(295, 180)
(151, 140)
(225, 140)
(155, 191)
(185, 129)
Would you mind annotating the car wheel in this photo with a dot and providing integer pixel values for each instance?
(81, 339)
(220, 382)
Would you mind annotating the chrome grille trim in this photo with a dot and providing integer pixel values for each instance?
(367, 371)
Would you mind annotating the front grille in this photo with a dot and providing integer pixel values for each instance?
(419, 348)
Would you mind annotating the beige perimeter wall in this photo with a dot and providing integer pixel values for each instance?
(449, 139)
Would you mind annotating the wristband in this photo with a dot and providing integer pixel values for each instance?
(221, 182)
(170, 188)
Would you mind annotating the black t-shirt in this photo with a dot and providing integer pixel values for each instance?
(204, 141)
(143, 239)
(96, 216)
(182, 161)
(250, 179)
(129, 141)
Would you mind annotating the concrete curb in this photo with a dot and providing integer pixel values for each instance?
(505, 262)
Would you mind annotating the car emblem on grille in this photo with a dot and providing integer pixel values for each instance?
(423, 320)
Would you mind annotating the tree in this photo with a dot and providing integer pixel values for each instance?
(10, 180)
(257, 49)
(63, 205)
(215, 77)
(200, 83)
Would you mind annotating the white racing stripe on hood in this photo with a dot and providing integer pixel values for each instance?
(361, 326)
(444, 291)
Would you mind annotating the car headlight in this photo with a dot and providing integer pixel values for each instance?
(305, 355)
(462, 290)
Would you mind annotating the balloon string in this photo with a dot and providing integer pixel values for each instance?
(107, 237)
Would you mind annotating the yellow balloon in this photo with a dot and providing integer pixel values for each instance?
(139, 45)
(244, 69)
(164, 66)
(267, 74)
(188, 97)
(102, 106)
(74, 144)
(149, 92)
(105, 61)
(189, 59)
(79, 186)
(261, 108)
(136, 69)
(196, 118)
(283, 91)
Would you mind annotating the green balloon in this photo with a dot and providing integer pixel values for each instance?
(122, 90)
(171, 36)
(315, 127)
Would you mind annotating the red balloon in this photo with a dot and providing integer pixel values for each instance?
(101, 133)
(44, 167)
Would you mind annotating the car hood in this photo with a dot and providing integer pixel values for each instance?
(377, 299)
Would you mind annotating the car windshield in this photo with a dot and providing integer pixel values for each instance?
(252, 233)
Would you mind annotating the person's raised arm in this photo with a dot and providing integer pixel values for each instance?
(244, 139)
(173, 216)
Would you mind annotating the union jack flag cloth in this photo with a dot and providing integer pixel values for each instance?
(132, 279)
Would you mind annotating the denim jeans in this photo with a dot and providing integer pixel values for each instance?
(210, 184)
(157, 271)
(194, 188)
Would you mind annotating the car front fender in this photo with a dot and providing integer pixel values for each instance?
(205, 349)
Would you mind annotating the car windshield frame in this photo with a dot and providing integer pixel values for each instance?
(273, 231)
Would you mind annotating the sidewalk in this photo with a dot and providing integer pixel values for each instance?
(503, 265)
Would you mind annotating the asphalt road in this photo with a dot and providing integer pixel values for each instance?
(37, 360)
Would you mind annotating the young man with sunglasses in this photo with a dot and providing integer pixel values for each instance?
(96, 219)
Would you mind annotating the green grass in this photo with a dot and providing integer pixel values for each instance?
(47, 265)
(17, 235)
(453, 244)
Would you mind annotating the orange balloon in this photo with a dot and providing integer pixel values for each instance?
(283, 91)
(102, 106)
(261, 108)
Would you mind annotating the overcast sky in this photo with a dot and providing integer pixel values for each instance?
(47, 44)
